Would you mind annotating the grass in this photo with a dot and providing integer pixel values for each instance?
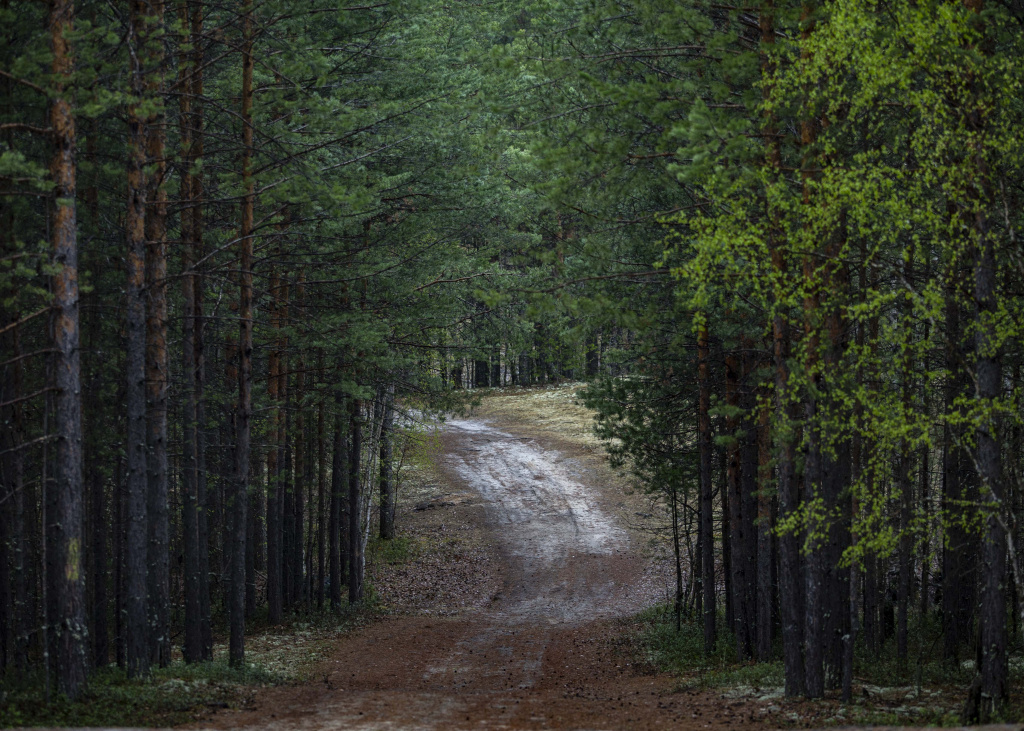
(393, 552)
(925, 690)
(172, 695)
(681, 653)
(183, 693)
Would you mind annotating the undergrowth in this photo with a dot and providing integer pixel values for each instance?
(182, 693)
(172, 695)
(924, 690)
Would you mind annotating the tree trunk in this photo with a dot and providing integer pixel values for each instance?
(355, 543)
(677, 605)
(198, 368)
(387, 482)
(737, 545)
(763, 530)
(157, 362)
(192, 650)
(321, 500)
(243, 412)
(299, 489)
(748, 508)
(138, 646)
(100, 528)
(339, 484)
(726, 532)
(287, 504)
(275, 604)
(70, 580)
(707, 529)
(988, 388)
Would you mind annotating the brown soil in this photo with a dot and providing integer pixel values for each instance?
(511, 616)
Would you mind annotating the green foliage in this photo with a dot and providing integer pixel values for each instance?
(177, 694)
(681, 653)
(394, 552)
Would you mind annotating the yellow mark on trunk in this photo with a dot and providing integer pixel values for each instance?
(72, 571)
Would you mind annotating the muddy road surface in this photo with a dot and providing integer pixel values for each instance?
(545, 651)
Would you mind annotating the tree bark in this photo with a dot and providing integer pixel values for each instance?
(138, 646)
(298, 490)
(763, 529)
(707, 530)
(70, 580)
(748, 508)
(243, 411)
(321, 501)
(387, 482)
(737, 544)
(339, 494)
(192, 650)
(197, 370)
(274, 475)
(157, 362)
(355, 543)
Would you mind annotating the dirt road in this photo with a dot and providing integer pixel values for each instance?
(540, 643)
(545, 651)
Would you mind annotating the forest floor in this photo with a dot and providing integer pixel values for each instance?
(511, 601)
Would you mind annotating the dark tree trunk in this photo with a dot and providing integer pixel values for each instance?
(321, 500)
(7, 528)
(706, 490)
(100, 609)
(926, 545)
(188, 70)
(748, 509)
(157, 362)
(355, 538)
(988, 375)
(593, 360)
(480, 374)
(723, 491)
(496, 366)
(765, 586)
(138, 646)
(192, 650)
(287, 508)
(252, 500)
(243, 411)
(677, 605)
(120, 570)
(905, 482)
(387, 480)
(298, 493)
(198, 368)
(791, 585)
(339, 495)
(71, 629)
(737, 544)
(275, 487)
(961, 545)
(904, 557)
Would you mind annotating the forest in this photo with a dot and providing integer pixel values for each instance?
(245, 244)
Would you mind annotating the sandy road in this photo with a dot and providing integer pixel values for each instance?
(558, 543)
(540, 655)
